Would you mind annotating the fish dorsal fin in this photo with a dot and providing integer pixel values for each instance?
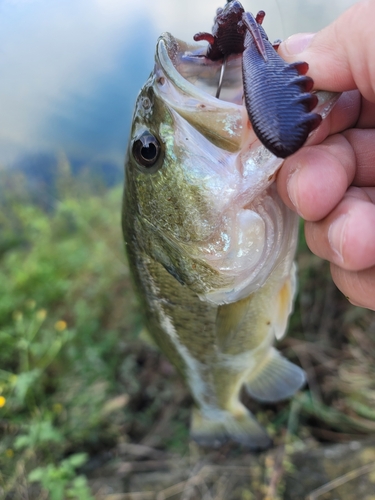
(275, 379)
(284, 304)
(229, 321)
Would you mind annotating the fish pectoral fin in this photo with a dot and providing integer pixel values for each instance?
(276, 379)
(284, 303)
(241, 428)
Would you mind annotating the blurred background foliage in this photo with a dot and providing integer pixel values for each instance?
(79, 387)
(78, 384)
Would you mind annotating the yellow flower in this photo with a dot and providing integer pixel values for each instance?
(2, 401)
(9, 453)
(41, 314)
(60, 325)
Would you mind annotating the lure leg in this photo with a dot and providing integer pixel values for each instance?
(260, 16)
(207, 37)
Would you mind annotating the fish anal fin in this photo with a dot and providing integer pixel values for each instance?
(223, 426)
(275, 379)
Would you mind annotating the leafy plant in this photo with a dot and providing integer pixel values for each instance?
(61, 350)
(61, 481)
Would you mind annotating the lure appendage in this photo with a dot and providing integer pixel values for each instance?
(277, 95)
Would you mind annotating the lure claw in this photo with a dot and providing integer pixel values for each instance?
(277, 95)
(301, 67)
(304, 82)
(309, 100)
(207, 37)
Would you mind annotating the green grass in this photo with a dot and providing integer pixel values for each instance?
(66, 314)
(75, 380)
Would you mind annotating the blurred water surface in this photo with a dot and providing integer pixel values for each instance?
(71, 69)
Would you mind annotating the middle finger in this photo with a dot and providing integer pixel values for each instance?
(346, 237)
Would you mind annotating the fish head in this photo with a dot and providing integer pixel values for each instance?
(200, 196)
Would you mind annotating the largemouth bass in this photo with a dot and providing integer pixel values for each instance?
(209, 242)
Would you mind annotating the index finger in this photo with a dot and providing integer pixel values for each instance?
(340, 56)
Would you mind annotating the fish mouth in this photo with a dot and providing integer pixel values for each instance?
(187, 82)
(199, 74)
(252, 230)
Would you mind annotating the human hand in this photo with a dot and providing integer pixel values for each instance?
(332, 183)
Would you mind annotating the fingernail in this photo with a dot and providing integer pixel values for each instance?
(293, 189)
(296, 44)
(337, 234)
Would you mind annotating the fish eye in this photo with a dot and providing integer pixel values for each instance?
(146, 151)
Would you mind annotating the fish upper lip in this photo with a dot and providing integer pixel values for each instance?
(187, 84)
(182, 62)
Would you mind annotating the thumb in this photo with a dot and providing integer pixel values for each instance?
(341, 56)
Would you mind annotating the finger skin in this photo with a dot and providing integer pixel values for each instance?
(345, 114)
(367, 114)
(331, 181)
(357, 286)
(340, 57)
(346, 237)
(316, 178)
(363, 144)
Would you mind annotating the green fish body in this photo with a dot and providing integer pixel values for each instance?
(209, 242)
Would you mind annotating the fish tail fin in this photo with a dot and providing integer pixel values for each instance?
(275, 379)
(220, 426)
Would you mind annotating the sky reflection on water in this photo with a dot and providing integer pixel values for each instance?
(71, 69)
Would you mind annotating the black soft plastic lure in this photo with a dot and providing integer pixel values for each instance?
(277, 95)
